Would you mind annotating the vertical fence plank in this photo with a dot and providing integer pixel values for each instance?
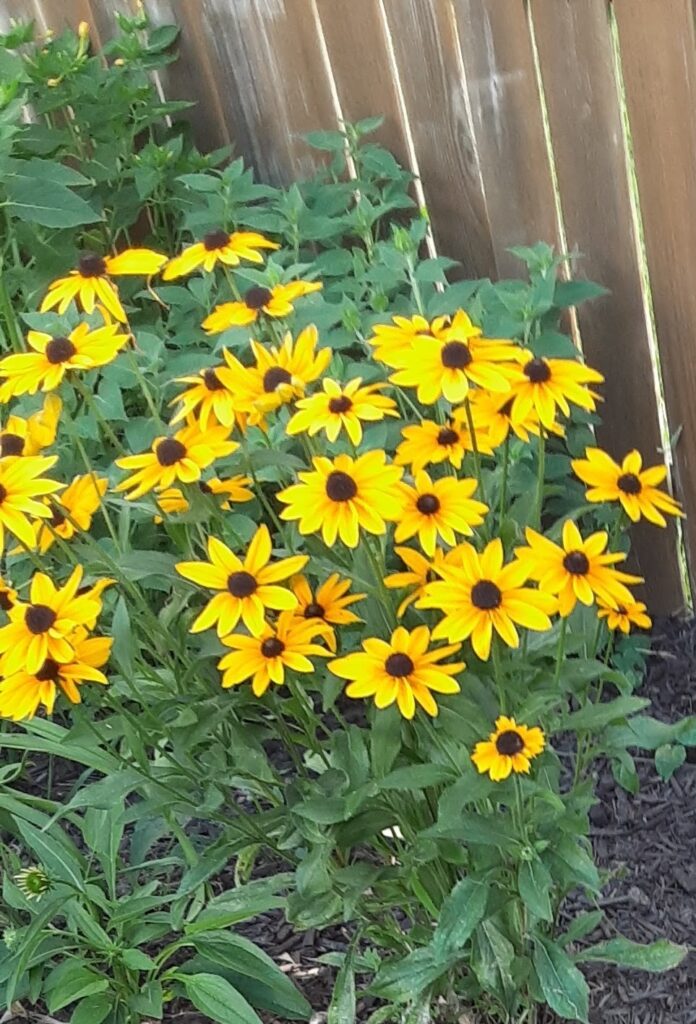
(359, 56)
(658, 56)
(426, 46)
(577, 67)
(507, 119)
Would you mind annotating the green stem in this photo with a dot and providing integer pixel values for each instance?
(88, 399)
(560, 651)
(504, 483)
(142, 383)
(386, 601)
(415, 287)
(474, 445)
(541, 469)
(498, 675)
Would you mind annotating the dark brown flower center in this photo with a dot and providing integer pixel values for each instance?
(91, 265)
(486, 595)
(428, 504)
(629, 483)
(576, 563)
(215, 239)
(170, 451)
(6, 601)
(506, 410)
(204, 487)
(455, 355)
(340, 486)
(57, 517)
(212, 381)
(509, 743)
(50, 670)
(11, 444)
(538, 371)
(399, 665)
(447, 437)
(241, 584)
(258, 297)
(3, 493)
(39, 618)
(59, 350)
(272, 647)
(339, 404)
(314, 611)
(275, 376)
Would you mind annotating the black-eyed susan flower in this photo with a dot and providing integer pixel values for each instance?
(71, 512)
(218, 246)
(234, 490)
(403, 670)
(435, 509)
(278, 301)
(341, 496)
(265, 658)
(634, 487)
(577, 570)
(427, 443)
(447, 364)
(8, 595)
(207, 398)
(22, 482)
(478, 595)
(247, 587)
(510, 748)
(396, 338)
(624, 616)
(280, 374)
(31, 435)
(420, 571)
(492, 415)
(51, 358)
(90, 282)
(180, 457)
(23, 693)
(329, 603)
(45, 627)
(33, 882)
(549, 385)
(337, 408)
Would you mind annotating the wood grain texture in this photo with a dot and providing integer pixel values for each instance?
(658, 55)
(577, 66)
(508, 124)
(358, 53)
(426, 46)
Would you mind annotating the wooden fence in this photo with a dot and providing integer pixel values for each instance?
(571, 121)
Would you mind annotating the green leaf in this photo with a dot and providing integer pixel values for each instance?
(563, 985)
(654, 957)
(47, 203)
(124, 647)
(70, 981)
(594, 716)
(405, 979)
(570, 293)
(55, 851)
(216, 998)
(247, 961)
(668, 758)
(240, 904)
(385, 741)
(581, 926)
(92, 1010)
(534, 883)
(136, 960)
(342, 1008)
(574, 855)
(417, 777)
(460, 913)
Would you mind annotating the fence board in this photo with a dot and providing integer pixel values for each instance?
(357, 47)
(507, 119)
(577, 65)
(426, 47)
(658, 55)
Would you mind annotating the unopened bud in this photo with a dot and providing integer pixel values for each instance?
(83, 30)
